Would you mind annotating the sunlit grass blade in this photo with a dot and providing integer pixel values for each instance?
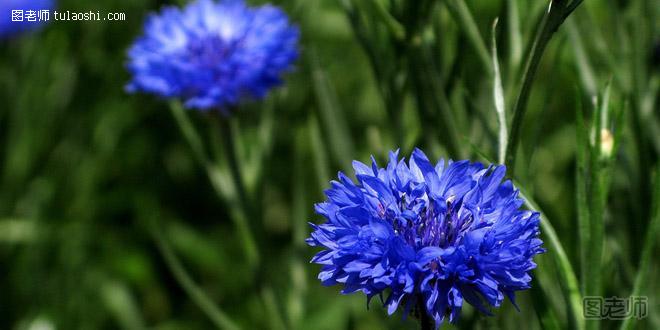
(498, 97)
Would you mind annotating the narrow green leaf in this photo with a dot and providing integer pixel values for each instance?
(271, 304)
(498, 97)
(265, 138)
(571, 7)
(331, 114)
(219, 318)
(319, 151)
(583, 64)
(396, 29)
(515, 36)
(231, 147)
(647, 108)
(193, 246)
(121, 304)
(226, 184)
(296, 304)
(189, 132)
(605, 107)
(463, 16)
(553, 19)
(432, 101)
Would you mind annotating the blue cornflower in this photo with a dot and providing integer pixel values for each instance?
(431, 237)
(213, 54)
(21, 15)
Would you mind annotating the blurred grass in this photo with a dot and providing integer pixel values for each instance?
(85, 167)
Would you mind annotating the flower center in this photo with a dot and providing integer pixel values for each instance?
(421, 223)
(210, 51)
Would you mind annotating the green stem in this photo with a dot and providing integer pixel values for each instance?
(467, 23)
(549, 25)
(540, 300)
(244, 212)
(593, 284)
(396, 29)
(432, 100)
(581, 182)
(189, 133)
(229, 145)
(515, 37)
(425, 320)
(567, 279)
(331, 114)
(217, 316)
(219, 182)
(598, 189)
(647, 250)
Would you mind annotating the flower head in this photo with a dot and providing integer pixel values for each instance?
(213, 54)
(21, 15)
(440, 235)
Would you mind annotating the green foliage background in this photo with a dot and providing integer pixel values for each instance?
(92, 179)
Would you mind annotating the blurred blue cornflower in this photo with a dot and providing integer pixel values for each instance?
(431, 236)
(17, 16)
(213, 54)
